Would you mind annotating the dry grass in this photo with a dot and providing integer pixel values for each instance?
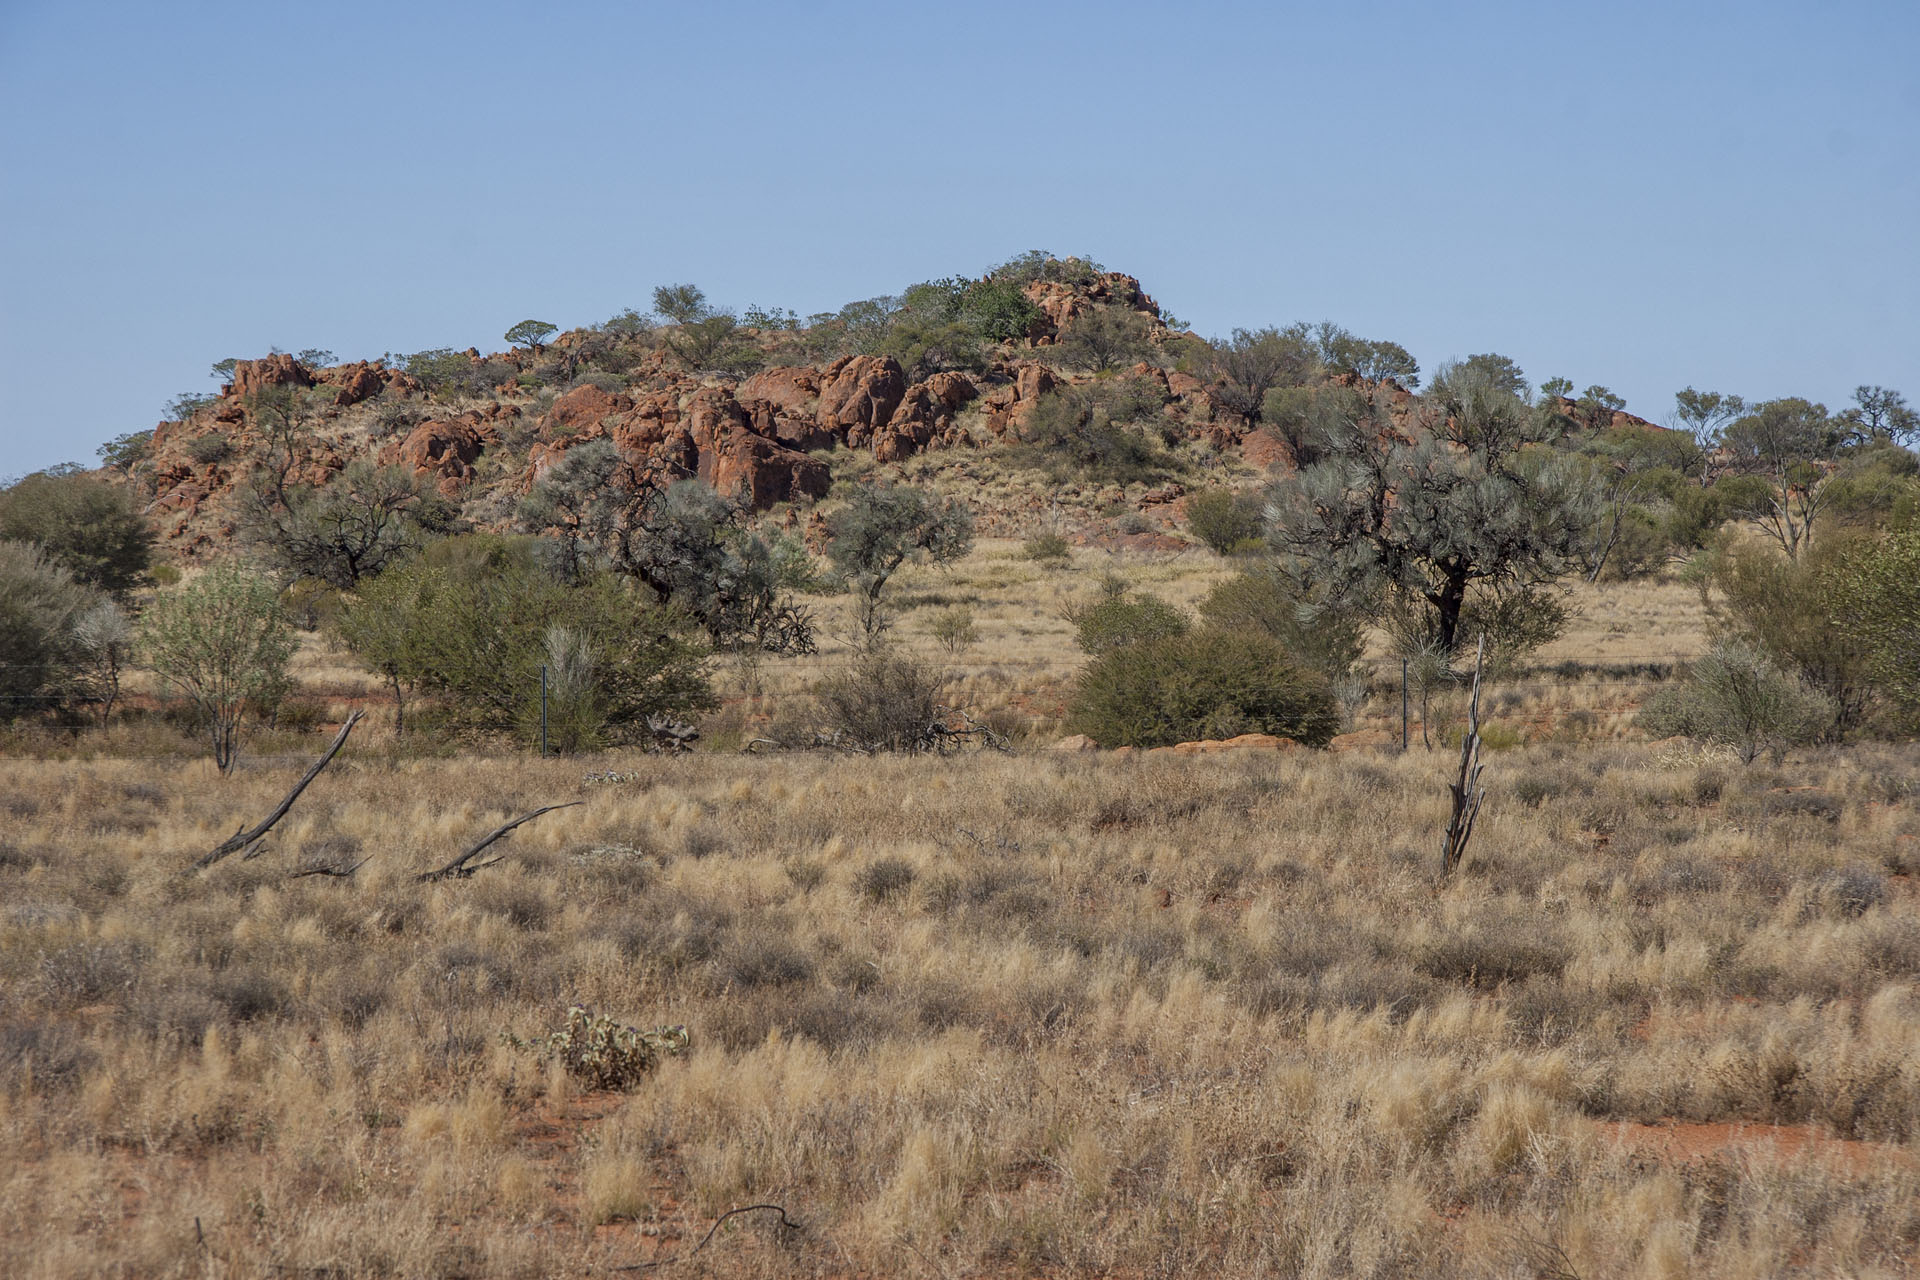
(989, 1016)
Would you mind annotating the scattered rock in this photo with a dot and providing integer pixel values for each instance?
(1075, 743)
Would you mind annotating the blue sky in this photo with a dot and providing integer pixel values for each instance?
(1645, 196)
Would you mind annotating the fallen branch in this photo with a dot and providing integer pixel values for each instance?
(241, 839)
(464, 866)
(337, 872)
(785, 1221)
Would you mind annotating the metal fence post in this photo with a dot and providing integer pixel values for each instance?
(1403, 704)
(543, 712)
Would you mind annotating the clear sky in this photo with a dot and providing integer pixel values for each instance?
(1644, 196)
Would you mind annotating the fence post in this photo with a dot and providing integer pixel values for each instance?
(1403, 704)
(543, 712)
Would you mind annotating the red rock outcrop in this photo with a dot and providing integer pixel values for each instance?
(250, 377)
(445, 450)
(792, 389)
(353, 383)
(581, 411)
(860, 394)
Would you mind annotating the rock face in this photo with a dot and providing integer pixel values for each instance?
(352, 383)
(581, 410)
(250, 377)
(860, 394)
(444, 450)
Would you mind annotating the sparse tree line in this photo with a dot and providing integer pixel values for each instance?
(1440, 514)
(597, 625)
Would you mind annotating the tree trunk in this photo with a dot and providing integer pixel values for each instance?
(1447, 603)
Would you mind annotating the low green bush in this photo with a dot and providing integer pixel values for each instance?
(1198, 685)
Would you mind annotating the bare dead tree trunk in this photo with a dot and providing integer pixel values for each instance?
(241, 839)
(1467, 794)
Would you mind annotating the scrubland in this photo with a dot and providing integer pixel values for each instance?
(1026, 1014)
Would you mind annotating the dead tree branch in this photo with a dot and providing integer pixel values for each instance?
(339, 873)
(1467, 794)
(464, 866)
(241, 839)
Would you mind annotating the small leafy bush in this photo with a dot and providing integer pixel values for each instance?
(1736, 697)
(1203, 684)
(210, 448)
(605, 1054)
(882, 702)
(953, 628)
(884, 879)
(1046, 548)
(1122, 620)
(1224, 520)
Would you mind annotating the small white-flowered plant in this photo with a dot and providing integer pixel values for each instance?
(604, 1053)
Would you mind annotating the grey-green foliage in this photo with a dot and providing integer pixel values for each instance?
(221, 641)
(683, 540)
(1105, 338)
(40, 603)
(1456, 492)
(881, 528)
(1736, 697)
(1096, 432)
(1251, 363)
(85, 524)
(531, 334)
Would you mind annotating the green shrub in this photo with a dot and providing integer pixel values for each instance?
(210, 448)
(1224, 520)
(83, 523)
(1329, 641)
(953, 628)
(1125, 619)
(1736, 697)
(1047, 548)
(1202, 684)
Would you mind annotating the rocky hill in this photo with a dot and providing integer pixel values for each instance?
(772, 422)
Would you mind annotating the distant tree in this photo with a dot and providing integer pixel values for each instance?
(881, 528)
(221, 640)
(125, 452)
(279, 417)
(628, 323)
(1497, 371)
(223, 369)
(1457, 494)
(1105, 338)
(1556, 388)
(680, 303)
(688, 545)
(1599, 400)
(363, 520)
(1796, 613)
(1881, 413)
(531, 334)
(1705, 413)
(317, 358)
(999, 310)
(103, 650)
(1792, 444)
(1250, 363)
(86, 524)
(185, 405)
(1371, 361)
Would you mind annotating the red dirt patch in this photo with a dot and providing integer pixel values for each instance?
(1688, 1142)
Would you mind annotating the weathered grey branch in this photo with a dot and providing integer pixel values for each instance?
(241, 839)
(464, 865)
(340, 873)
(1467, 794)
